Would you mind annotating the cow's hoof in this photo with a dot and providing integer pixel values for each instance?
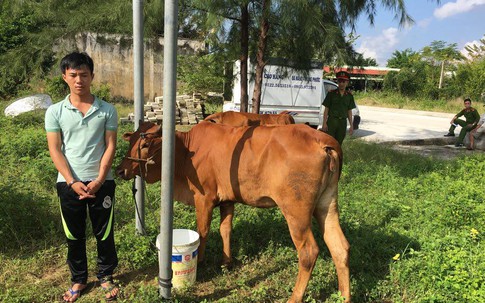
(229, 264)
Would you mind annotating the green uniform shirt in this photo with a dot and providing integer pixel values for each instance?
(339, 105)
(471, 115)
(83, 138)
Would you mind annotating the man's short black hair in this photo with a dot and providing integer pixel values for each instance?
(75, 60)
(467, 99)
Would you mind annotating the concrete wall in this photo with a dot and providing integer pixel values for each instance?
(113, 60)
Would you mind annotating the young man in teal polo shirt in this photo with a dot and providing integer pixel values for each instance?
(81, 135)
(338, 109)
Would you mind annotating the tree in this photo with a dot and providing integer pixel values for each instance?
(25, 46)
(440, 53)
(299, 31)
(360, 60)
(421, 71)
(311, 17)
(401, 59)
(30, 28)
(470, 80)
(228, 23)
(261, 50)
(200, 73)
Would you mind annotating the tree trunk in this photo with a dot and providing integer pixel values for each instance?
(244, 57)
(442, 73)
(260, 63)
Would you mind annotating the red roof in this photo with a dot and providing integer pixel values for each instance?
(360, 71)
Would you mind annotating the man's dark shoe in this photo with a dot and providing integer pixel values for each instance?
(449, 135)
(459, 145)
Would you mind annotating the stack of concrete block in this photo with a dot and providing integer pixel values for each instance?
(181, 102)
(189, 110)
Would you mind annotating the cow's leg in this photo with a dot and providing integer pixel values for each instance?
(204, 217)
(227, 213)
(299, 223)
(328, 218)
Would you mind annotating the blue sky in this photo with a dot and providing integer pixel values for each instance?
(452, 21)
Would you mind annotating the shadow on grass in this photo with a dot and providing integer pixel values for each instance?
(372, 252)
(28, 223)
(259, 230)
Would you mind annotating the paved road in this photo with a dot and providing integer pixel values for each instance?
(387, 125)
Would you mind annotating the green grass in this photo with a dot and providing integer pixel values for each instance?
(393, 100)
(415, 225)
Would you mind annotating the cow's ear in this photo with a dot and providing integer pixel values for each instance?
(127, 136)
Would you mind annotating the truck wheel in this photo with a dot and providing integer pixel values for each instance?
(356, 122)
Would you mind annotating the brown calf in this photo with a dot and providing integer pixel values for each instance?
(293, 167)
(250, 119)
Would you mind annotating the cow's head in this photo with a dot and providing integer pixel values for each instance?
(215, 118)
(143, 155)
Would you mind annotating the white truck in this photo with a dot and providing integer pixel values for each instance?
(287, 89)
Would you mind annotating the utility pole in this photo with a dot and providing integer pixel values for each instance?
(138, 87)
(168, 148)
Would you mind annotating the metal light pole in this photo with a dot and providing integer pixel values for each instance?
(168, 157)
(138, 99)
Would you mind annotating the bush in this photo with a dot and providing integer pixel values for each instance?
(471, 77)
(409, 82)
(56, 87)
(431, 92)
(200, 73)
(102, 91)
(390, 81)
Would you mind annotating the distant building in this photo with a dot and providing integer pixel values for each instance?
(362, 78)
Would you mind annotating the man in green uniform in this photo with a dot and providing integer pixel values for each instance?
(471, 120)
(338, 109)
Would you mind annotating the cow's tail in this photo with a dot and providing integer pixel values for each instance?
(335, 159)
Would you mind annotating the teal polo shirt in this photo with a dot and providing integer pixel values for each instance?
(83, 138)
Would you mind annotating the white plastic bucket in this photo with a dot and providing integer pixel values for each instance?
(185, 245)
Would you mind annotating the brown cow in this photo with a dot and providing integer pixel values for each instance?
(250, 119)
(293, 167)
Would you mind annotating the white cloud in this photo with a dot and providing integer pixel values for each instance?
(424, 23)
(379, 47)
(457, 7)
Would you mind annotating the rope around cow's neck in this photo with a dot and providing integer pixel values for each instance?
(148, 160)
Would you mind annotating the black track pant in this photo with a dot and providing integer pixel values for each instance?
(101, 213)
